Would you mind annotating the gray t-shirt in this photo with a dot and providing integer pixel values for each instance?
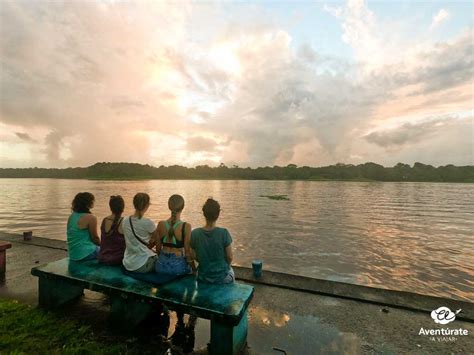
(210, 253)
(136, 253)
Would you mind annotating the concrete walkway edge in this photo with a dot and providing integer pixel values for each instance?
(393, 298)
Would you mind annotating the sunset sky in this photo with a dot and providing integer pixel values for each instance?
(253, 84)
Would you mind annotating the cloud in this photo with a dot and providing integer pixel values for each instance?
(53, 142)
(439, 18)
(411, 133)
(25, 137)
(282, 99)
(446, 65)
(119, 81)
(83, 70)
(200, 144)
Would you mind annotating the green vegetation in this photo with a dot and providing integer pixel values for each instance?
(345, 172)
(24, 329)
(276, 197)
(28, 330)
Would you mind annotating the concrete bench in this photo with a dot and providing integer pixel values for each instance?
(132, 300)
(3, 259)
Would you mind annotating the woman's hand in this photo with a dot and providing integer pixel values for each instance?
(155, 240)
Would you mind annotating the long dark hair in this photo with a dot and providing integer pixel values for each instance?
(176, 205)
(140, 201)
(117, 205)
(83, 202)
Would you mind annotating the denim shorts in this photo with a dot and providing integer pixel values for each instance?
(171, 264)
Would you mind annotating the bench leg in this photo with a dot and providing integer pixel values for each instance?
(53, 293)
(126, 313)
(226, 339)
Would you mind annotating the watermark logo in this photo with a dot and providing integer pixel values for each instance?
(443, 315)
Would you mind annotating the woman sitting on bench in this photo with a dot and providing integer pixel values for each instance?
(212, 247)
(112, 241)
(175, 259)
(82, 237)
(137, 229)
(139, 259)
(172, 244)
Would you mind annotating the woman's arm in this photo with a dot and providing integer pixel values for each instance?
(228, 254)
(188, 251)
(155, 240)
(92, 225)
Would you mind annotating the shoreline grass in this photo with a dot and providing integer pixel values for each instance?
(24, 329)
(28, 330)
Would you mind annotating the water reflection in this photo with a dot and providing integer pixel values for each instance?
(297, 334)
(268, 317)
(407, 236)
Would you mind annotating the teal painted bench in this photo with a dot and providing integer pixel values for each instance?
(132, 300)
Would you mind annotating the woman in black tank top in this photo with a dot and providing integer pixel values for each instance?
(112, 241)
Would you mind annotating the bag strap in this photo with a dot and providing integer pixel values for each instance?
(133, 231)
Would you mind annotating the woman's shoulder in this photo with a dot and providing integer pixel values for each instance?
(88, 216)
(147, 222)
(197, 231)
(108, 218)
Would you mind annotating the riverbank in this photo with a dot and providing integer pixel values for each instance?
(291, 314)
(342, 172)
(150, 178)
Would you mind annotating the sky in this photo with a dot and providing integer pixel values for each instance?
(257, 83)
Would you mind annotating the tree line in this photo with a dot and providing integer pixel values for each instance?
(362, 172)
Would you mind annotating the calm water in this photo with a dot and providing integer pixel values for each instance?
(406, 236)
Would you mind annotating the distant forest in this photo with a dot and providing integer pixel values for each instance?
(362, 172)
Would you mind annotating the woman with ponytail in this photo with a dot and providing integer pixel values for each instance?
(139, 256)
(174, 260)
(173, 242)
(112, 240)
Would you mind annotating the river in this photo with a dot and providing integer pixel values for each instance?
(416, 237)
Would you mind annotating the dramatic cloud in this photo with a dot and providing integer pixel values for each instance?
(168, 83)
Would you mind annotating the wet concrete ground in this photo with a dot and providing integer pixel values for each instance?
(294, 321)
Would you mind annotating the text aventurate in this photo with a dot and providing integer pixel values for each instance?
(443, 331)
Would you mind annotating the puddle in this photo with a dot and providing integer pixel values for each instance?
(297, 334)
